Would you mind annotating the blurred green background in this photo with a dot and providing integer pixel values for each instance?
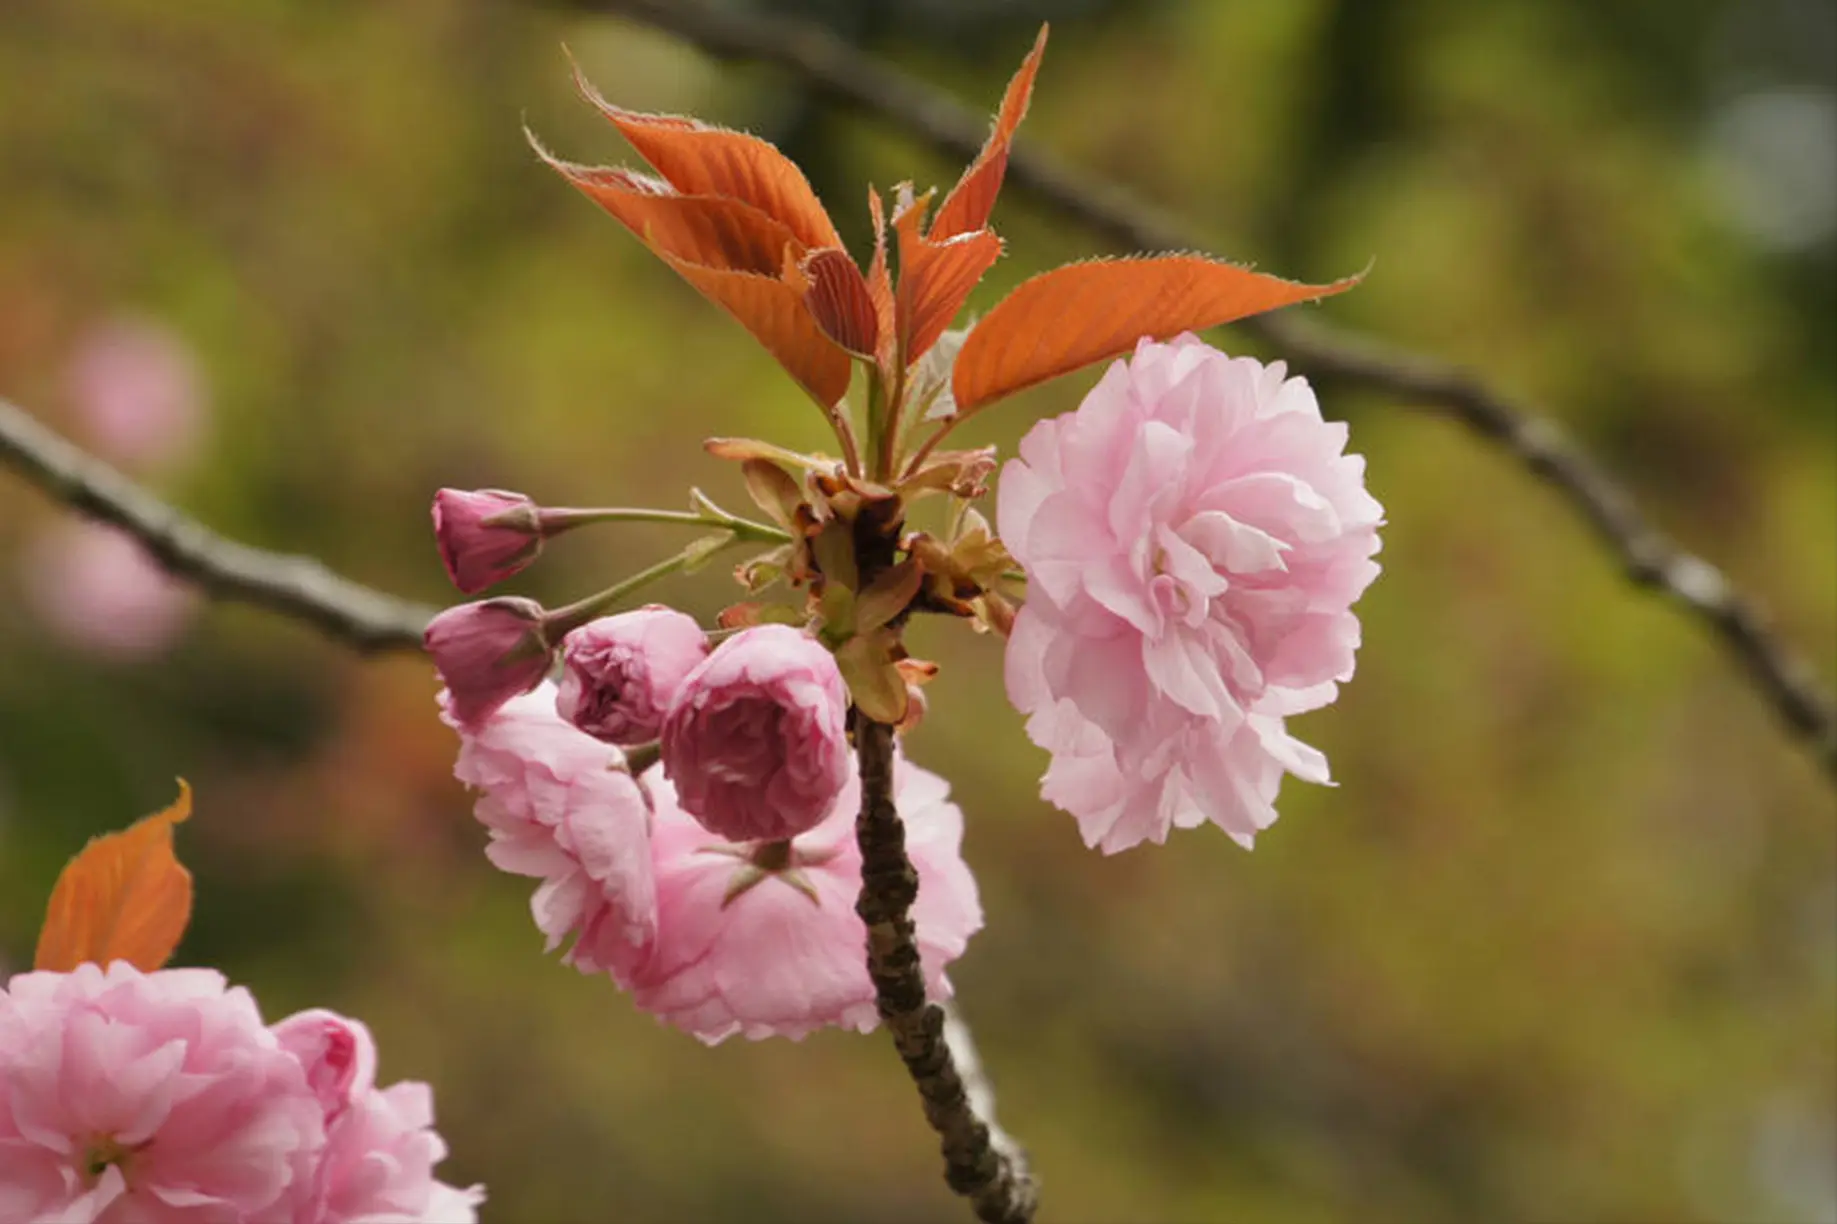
(1562, 945)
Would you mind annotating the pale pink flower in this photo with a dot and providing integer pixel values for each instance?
(620, 672)
(485, 535)
(1194, 538)
(137, 392)
(755, 739)
(487, 653)
(380, 1149)
(148, 1097)
(96, 588)
(763, 940)
(561, 807)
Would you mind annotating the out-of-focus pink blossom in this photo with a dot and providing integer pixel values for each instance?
(159, 1097)
(485, 535)
(763, 940)
(754, 741)
(561, 808)
(620, 672)
(487, 653)
(96, 588)
(380, 1145)
(1194, 538)
(137, 393)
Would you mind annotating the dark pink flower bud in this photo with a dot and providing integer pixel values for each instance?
(485, 535)
(755, 739)
(487, 653)
(620, 672)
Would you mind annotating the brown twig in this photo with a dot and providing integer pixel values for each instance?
(1648, 556)
(987, 1170)
(295, 586)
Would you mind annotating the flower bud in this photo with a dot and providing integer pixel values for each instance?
(620, 672)
(754, 740)
(488, 652)
(485, 535)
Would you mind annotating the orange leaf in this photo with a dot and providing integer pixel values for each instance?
(838, 298)
(699, 159)
(1069, 317)
(880, 288)
(774, 312)
(125, 897)
(935, 278)
(709, 230)
(970, 202)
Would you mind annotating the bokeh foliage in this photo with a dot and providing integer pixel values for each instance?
(1561, 945)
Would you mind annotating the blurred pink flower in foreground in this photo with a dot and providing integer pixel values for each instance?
(759, 938)
(97, 589)
(561, 808)
(763, 939)
(1194, 538)
(137, 392)
(161, 1097)
(755, 741)
(380, 1146)
(621, 672)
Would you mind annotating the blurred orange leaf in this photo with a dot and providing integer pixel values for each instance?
(774, 312)
(699, 159)
(1075, 315)
(125, 897)
(970, 202)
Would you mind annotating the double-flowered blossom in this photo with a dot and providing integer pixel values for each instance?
(561, 807)
(755, 740)
(161, 1097)
(1194, 538)
(748, 937)
(621, 672)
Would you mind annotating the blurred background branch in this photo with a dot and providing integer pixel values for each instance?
(1649, 557)
(299, 587)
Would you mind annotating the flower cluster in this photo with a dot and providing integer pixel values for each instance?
(717, 936)
(162, 1097)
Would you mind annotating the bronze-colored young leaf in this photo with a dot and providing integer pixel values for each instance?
(124, 897)
(714, 231)
(701, 159)
(1070, 317)
(970, 202)
(775, 314)
(880, 290)
(773, 491)
(936, 277)
(838, 298)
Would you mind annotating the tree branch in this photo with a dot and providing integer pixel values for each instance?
(980, 1162)
(1649, 557)
(295, 586)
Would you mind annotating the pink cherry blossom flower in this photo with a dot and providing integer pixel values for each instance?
(754, 740)
(487, 653)
(380, 1148)
(137, 392)
(763, 940)
(96, 588)
(159, 1097)
(485, 535)
(1194, 538)
(620, 672)
(561, 807)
